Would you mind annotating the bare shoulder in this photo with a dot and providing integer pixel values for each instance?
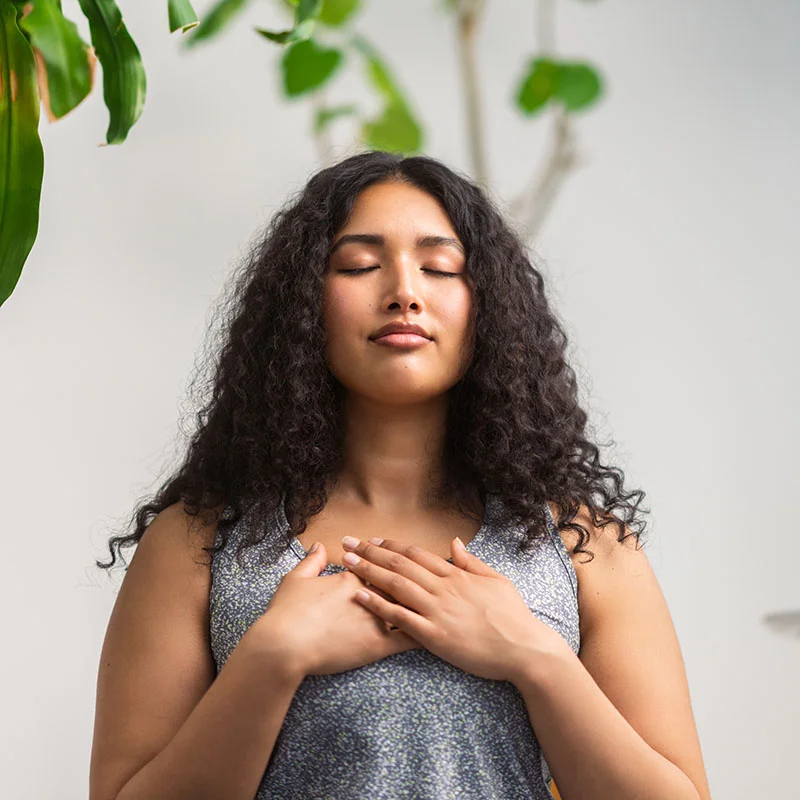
(630, 647)
(189, 533)
(170, 557)
(156, 660)
(612, 559)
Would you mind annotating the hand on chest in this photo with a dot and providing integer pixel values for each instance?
(434, 533)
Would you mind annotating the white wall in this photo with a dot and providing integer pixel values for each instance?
(670, 258)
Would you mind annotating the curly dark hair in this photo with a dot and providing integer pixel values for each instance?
(272, 429)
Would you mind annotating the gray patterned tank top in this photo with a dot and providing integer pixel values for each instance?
(411, 725)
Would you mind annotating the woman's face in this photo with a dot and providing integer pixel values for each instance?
(402, 286)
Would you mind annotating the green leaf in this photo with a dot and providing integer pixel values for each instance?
(336, 12)
(537, 86)
(307, 66)
(305, 19)
(215, 21)
(124, 83)
(21, 154)
(67, 58)
(377, 72)
(299, 33)
(281, 37)
(578, 85)
(307, 9)
(325, 116)
(181, 15)
(395, 130)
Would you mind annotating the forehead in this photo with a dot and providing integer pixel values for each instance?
(390, 213)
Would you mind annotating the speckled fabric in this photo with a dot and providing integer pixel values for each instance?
(411, 725)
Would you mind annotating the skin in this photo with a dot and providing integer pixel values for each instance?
(398, 397)
(395, 399)
(395, 408)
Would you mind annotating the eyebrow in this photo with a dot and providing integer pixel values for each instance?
(376, 238)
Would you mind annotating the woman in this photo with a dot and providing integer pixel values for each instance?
(391, 372)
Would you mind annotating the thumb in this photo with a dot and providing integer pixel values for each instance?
(314, 562)
(467, 561)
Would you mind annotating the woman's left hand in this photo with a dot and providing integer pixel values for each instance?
(465, 612)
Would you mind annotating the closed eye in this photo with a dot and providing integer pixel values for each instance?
(369, 269)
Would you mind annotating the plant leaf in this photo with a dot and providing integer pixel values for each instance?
(579, 85)
(299, 33)
(181, 15)
(305, 19)
(307, 9)
(537, 86)
(395, 130)
(68, 60)
(336, 12)
(281, 37)
(307, 66)
(124, 82)
(21, 156)
(377, 72)
(215, 21)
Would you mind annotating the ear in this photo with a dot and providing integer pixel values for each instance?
(467, 561)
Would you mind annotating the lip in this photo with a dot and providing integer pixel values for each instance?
(401, 328)
(402, 340)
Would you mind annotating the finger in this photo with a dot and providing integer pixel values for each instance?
(404, 619)
(387, 578)
(314, 561)
(433, 563)
(387, 625)
(406, 559)
(360, 582)
(383, 594)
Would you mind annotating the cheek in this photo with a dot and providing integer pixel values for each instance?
(453, 312)
(343, 310)
(453, 315)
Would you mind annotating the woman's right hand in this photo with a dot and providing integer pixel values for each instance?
(318, 626)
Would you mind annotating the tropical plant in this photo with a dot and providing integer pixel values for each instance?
(45, 61)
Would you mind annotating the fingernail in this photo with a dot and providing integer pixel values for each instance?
(349, 541)
(376, 540)
(460, 543)
(314, 548)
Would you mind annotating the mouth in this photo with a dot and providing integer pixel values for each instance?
(405, 330)
(401, 340)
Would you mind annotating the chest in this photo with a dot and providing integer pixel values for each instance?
(432, 531)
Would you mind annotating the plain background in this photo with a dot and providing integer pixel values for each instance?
(671, 256)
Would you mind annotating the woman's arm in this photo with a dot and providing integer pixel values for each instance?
(616, 720)
(223, 747)
(166, 725)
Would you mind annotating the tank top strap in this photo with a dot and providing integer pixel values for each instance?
(561, 549)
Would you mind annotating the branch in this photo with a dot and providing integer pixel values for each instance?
(531, 206)
(533, 203)
(468, 15)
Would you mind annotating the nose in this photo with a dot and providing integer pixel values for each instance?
(403, 287)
